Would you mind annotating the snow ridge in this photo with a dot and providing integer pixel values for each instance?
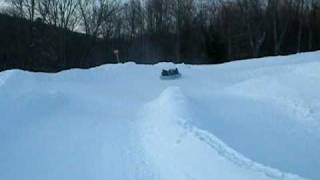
(239, 159)
(168, 137)
(4, 77)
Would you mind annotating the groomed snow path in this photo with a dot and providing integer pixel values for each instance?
(256, 119)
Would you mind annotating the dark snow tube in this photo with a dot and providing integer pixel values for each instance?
(170, 74)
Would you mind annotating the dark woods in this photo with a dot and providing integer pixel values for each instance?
(52, 35)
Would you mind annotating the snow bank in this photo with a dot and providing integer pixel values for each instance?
(178, 150)
(255, 119)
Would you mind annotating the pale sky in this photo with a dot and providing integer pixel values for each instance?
(2, 3)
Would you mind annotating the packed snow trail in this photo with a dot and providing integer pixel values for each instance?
(179, 151)
(257, 119)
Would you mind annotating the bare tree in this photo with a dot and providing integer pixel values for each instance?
(312, 7)
(95, 12)
(134, 18)
(63, 15)
(95, 16)
(23, 8)
(182, 14)
(225, 21)
(300, 11)
(60, 13)
(16, 7)
(253, 17)
(159, 16)
(279, 11)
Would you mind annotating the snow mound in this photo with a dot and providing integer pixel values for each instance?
(252, 120)
(4, 77)
(168, 138)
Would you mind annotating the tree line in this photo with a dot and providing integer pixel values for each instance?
(81, 33)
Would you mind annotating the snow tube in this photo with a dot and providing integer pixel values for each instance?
(170, 74)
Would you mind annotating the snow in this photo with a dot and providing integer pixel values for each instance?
(192, 153)
(255, 119)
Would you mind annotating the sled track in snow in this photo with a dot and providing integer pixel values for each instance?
(164, 122)
(237, 158)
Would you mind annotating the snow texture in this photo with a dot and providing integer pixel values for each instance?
(257, 119)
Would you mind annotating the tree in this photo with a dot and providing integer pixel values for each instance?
(95, 12)
(279, 11)
(253, 17)
(63, 15)
(182, 14)
(134, 18)
(60, 13)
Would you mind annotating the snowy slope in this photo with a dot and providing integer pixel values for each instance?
(257, 119)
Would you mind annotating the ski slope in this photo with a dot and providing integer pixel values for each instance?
(257, 119)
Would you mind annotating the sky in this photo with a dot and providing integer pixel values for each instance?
(2, 4)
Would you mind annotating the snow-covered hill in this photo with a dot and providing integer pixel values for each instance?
(255, 119)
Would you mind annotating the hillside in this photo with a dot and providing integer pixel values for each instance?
(256, 119)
